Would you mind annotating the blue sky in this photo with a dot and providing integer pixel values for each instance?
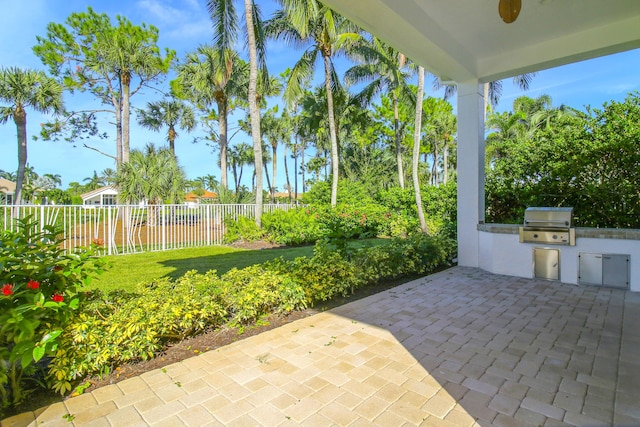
(183, 25)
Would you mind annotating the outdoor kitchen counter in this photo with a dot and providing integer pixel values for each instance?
(593, 233)
(501, 252)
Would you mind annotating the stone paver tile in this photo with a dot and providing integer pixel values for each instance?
(505, 404)
(578, 419)
(530, 418)
(196, 416)
(601, 414)
(132, 385)
(302, 409)
(228, 413)
(82, 416)
(390, 419)
(170, 392)
(338, 414)
(172, 421)
(480, 386)
(503, 420)
(106, 393)
(390, 392)
(476, 408)
(148, 404)
(124, 416)
(569, 402)
(133, 398)
(543, 408)
(80, 403)
(26, 419)
(370, 408)
(52, 414)
(283, 401)
(98, 422)
(460, 418)
(439, 406)
(163, 411)
(348, 400)
(156, 378)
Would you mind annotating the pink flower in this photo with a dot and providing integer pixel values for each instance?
(7, 289)
(57, 298)
(33, 284)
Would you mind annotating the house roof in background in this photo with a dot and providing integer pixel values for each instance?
(108, 189)
(7, 187)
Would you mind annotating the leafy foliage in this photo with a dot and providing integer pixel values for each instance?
(40, 296)
(587, 161)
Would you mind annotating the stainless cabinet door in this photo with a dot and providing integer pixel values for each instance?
(546, 263)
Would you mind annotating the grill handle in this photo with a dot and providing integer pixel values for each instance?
(546, 221)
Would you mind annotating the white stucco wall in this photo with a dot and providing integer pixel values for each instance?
(502, 253)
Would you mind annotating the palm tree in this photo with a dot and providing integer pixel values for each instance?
(225, 25)
(385, 68)
(171, 113)
(152, 175)
(54, 178)
(93, 182)
(108, 175)
(210, 77)
(22, 89)
(311, 22)
(239, 156)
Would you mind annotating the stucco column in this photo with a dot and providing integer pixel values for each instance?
(470, 171)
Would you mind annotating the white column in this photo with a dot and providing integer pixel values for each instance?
(470, 171)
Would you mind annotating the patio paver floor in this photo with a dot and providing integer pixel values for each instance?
(458, 348)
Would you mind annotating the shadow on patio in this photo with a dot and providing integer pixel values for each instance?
(461, 347)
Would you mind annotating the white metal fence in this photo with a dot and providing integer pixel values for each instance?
(123, 229)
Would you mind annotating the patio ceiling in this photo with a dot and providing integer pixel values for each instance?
(460, 40)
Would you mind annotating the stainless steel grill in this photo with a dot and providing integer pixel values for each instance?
(549, 226)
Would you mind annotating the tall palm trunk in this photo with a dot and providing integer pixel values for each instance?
(332, 131)
(274, 169)
(254, 111)
(304, 175)
(416, 150)
(445, 161)
(434, 167)
(222, 128)
(171, 136)
(20, 119)
(266, 174)
(396, 130)
(286, 172)
(126, 114)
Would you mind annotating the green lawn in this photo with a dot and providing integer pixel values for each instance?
(130, 271)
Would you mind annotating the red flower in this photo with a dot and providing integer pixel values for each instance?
(57, 298)
(33, 284)
(7, 289)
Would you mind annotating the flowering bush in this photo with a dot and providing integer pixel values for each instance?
(40, 284)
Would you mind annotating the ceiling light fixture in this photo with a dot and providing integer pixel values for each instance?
(509, 10)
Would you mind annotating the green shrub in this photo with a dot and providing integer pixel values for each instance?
(255, 291)
(242, 229)
(123, 327)
(40, 296)
(293, 227)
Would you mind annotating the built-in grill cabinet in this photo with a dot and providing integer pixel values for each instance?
(548, 225)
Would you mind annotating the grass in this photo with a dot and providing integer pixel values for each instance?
(129, 272)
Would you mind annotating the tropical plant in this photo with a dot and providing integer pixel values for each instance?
(384, 68)
(152, 175)
(40, 295)
(113, 63)
(22, 89)
(311, 22)
(171, 113)
(93, 182)
(225, 23)
(209, 76)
